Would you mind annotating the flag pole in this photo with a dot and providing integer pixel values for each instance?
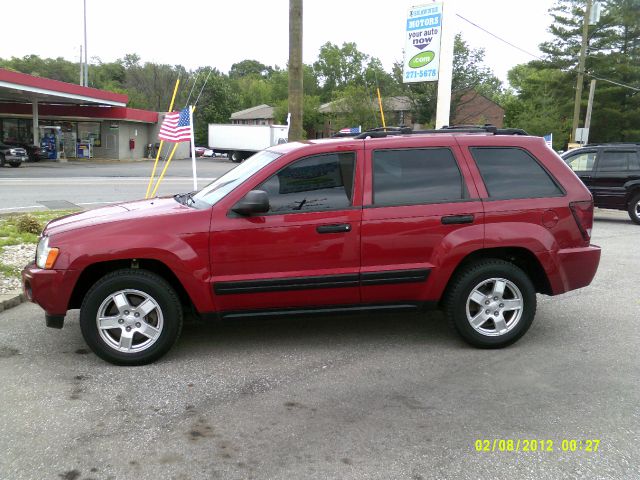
(384, 124)
(155, 165)
(164, 170)
(193, 150)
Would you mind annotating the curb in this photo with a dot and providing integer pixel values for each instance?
(10, 300)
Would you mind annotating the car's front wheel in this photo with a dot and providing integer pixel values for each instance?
(634, 209)
(131, 317)
(15, 164)
(491, 303)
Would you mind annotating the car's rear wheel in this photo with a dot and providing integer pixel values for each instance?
(131, 317)
(1, 160)
(15, 164)
(491, 303)
(634, 209)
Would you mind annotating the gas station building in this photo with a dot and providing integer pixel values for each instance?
(72, 121)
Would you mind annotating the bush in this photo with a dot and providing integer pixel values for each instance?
(28, 224)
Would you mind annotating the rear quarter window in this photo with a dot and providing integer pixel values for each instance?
(511, 172)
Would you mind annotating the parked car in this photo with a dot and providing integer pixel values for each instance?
(200, 151)
(473, 223)
(34, 152)
(612, 173)
(14, 156)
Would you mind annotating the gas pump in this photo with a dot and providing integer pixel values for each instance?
(50, 140)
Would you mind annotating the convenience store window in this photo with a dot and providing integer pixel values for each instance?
(90, 131)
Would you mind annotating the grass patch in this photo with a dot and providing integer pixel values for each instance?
(10, 233)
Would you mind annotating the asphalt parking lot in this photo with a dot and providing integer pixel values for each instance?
(377, 397)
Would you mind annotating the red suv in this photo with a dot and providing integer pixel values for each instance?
(474, 223)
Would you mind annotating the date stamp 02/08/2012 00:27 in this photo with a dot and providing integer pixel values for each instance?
(536, 445)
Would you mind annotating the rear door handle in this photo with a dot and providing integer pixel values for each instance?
(456, 219)
(337, 228)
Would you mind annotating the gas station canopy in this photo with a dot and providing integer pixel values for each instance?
(23, 88)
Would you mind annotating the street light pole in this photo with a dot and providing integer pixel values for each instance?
(581, 62)
(86, 64)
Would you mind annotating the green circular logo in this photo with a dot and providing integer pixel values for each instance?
(422, 59)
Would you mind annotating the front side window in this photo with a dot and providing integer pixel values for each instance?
(415, 176)
(218, 189)
(582, 162)
(316, 183)
(615, 160)
(511, 172)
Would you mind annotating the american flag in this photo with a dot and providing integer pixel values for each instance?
(175, 127)
(350, 130)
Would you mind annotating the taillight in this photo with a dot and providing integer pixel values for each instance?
(583, 214)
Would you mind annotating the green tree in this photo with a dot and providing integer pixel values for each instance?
(338, 67)
(249, 68)
(613, 55)
(54, 68)
(218, 101)
(542, 102)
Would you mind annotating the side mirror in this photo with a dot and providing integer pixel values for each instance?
(256, 201)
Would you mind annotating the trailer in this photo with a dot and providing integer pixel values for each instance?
(242, 141)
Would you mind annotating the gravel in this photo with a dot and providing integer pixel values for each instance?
(16, 256)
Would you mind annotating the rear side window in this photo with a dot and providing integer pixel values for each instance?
(415, 176)
(615, 160)
(510, 172)
(582, 162)
(316, 183)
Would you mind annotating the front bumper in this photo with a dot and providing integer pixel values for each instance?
(51, 289)
(15, 158)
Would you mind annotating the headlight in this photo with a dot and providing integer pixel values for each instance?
(45, 256)
(13, 151)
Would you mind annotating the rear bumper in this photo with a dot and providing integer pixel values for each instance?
(573, 268)
(51, 289)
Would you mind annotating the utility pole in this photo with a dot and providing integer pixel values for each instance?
(295, 70)
(583, 54)
(86, 64)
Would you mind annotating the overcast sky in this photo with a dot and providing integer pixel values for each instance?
(219, 33)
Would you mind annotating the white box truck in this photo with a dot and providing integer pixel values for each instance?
(242, 141)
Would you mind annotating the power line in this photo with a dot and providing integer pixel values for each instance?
(602, 79)
(501, 39)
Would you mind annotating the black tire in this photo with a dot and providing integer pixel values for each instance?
(166, 315)
(15, 164)
(1, 160)
(509, 325)
(236, 157)
(634, 209)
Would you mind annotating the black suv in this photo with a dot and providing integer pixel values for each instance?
(612, 173)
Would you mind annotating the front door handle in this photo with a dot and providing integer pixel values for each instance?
(338, 228)
(456, 219)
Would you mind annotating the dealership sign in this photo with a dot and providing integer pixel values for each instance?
(422, 43)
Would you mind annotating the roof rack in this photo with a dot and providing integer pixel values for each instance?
(387, 131)
(610, 144)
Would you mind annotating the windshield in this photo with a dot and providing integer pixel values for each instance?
(218, 189)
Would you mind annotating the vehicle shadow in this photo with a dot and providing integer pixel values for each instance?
(315, 331)
(619, 221)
